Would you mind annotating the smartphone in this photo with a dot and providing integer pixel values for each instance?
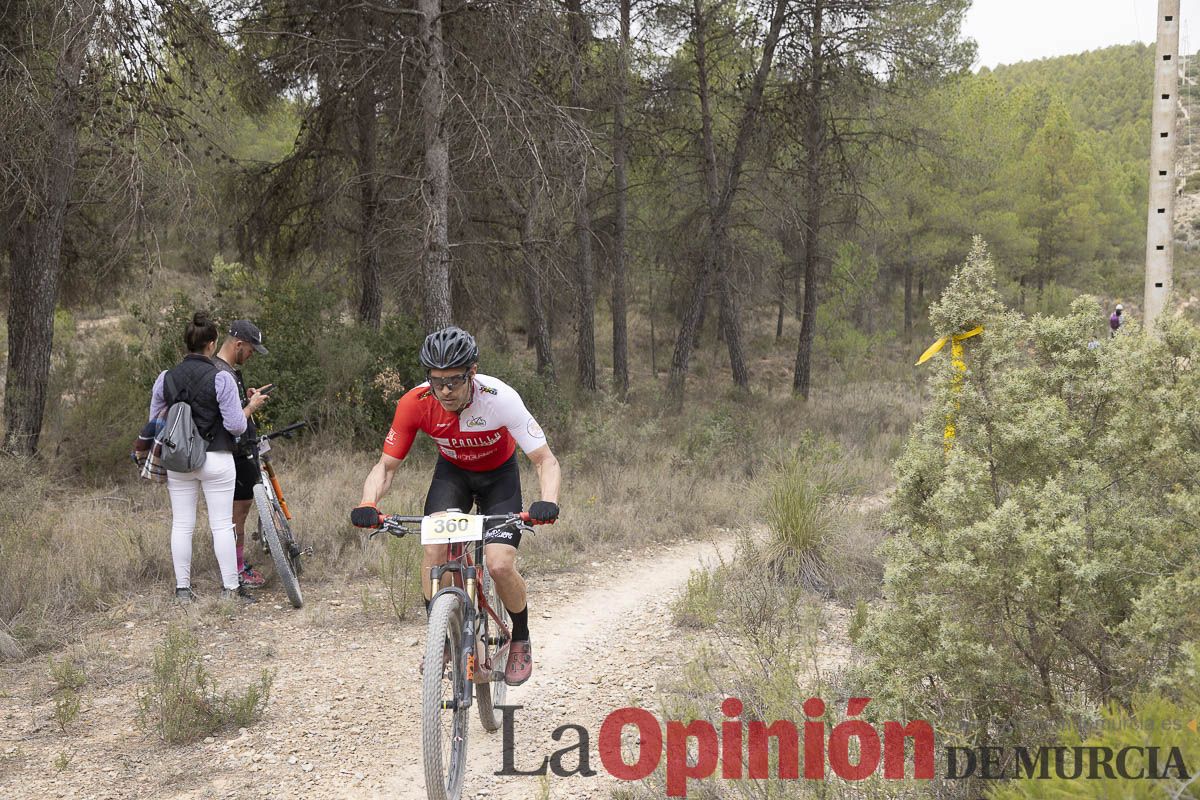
(270, 387)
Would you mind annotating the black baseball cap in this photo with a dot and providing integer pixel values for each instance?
(247, 331)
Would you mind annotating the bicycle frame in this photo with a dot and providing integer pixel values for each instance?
(462, 564)
(465, 574)
(268, 471)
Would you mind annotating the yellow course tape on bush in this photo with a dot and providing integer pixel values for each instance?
(960, 369)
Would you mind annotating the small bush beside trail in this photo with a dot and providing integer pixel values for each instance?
(182, 703)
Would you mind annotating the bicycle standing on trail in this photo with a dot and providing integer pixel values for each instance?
(477, 422)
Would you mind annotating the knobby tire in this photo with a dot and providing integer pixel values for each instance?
(444, 731)
(270, 533)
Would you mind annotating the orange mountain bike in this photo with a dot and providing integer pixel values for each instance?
(274, 519)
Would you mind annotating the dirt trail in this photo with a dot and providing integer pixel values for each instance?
(342, 720)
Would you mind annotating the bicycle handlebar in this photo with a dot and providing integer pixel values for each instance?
(284, 431)
(394, 523)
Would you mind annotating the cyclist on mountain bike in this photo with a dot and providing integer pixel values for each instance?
(477, 422)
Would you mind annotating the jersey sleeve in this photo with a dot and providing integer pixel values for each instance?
(404, 426)
(521, 424)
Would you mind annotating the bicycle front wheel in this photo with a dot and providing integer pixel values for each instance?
(495, 643)
(268, 514)
(443, 723)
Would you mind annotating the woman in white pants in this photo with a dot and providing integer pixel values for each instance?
(219, 416)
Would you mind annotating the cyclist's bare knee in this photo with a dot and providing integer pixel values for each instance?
(501, 560)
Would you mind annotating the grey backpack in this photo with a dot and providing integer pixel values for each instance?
(183, 447)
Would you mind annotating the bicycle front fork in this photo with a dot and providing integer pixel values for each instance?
(465, 695)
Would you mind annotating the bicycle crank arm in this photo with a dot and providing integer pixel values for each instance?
(495, 672)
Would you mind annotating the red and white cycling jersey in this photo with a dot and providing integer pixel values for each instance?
(481, 437)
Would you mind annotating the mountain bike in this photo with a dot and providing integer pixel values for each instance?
(274, 519)
(468, 636)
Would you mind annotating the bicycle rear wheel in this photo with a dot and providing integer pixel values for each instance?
(270, 517)
(491, 694)
(444, 730)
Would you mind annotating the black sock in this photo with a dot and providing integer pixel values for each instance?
(427, 608)
(520, 624)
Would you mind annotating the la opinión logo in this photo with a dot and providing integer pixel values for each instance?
(741, 749)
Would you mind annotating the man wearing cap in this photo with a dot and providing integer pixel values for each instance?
(1115, 320)
(244, 340)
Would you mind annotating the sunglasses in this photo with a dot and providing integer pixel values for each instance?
(452, 382)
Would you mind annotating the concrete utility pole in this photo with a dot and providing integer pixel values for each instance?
(1161, 219)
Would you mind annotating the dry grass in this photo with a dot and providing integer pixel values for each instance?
(633, 474)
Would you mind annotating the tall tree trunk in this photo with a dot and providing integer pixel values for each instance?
(733, 331)
(435, 185)
(585, 293)
(370, 303)
(908, 273)
(908, 297)
(539, 332)
(650, 312)
(719, 197)
(814, 147)
(621, 180)
(35, 243)
(782, 304)
(585, 289)
(808, 319)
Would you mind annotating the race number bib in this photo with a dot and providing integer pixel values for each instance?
(451, 526)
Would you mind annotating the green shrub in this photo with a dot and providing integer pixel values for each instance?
(68, 678)
(400, 571)
(1159, 719)
(1016, 576)
(698, 605)
(182, 703)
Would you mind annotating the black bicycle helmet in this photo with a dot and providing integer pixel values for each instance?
(449, 348)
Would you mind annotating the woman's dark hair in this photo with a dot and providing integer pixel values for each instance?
(200, 331)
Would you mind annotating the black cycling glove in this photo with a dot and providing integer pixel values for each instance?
(543, 511)
(365, 517)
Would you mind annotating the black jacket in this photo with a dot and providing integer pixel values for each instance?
(194, 381)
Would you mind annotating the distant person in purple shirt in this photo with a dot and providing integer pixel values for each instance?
(219, 416)
(1115, 320)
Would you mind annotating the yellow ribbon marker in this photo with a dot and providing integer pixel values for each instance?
(960, 369)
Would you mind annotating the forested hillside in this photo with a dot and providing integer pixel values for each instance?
(582, 177)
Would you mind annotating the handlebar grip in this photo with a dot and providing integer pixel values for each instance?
(366, 517)
(528, 520)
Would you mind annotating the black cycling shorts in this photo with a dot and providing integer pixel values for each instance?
(496, 491)
(248, 476)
